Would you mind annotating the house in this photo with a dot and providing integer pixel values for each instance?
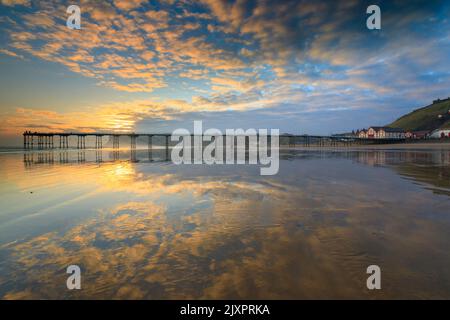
(417, 134)
(385, 133)
(440, 133)
(394, 133)
(361, 133)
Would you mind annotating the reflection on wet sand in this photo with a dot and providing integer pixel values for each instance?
(155, 230)
(98, 156)
(429, 168)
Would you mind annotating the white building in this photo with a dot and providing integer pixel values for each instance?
(440, 133)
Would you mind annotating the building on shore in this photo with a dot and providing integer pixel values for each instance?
(440, 134)
(423, 134)
(385, 133)
(381, 133)
(361, 133)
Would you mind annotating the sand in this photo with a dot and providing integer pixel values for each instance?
(394, 146)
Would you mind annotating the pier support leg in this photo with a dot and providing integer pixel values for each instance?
(167, 147)
(116, 142)
(150, 142)
(98, 142)
(150, 148)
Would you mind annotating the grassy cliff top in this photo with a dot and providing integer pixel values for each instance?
(426, 118)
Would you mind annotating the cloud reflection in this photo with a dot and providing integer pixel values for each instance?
(209, 234)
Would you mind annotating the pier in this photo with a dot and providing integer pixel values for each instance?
(46, 140)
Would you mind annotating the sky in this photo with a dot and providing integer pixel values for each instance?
(153, 66)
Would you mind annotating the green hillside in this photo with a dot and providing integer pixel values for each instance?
(446, 125)
(426, 118)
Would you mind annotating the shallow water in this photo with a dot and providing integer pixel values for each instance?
(143, 229)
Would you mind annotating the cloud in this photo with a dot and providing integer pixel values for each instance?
(245, 55)
(11, 53)
(128, 4)
(12, 3)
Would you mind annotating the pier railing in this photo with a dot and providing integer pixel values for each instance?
(46, 140)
